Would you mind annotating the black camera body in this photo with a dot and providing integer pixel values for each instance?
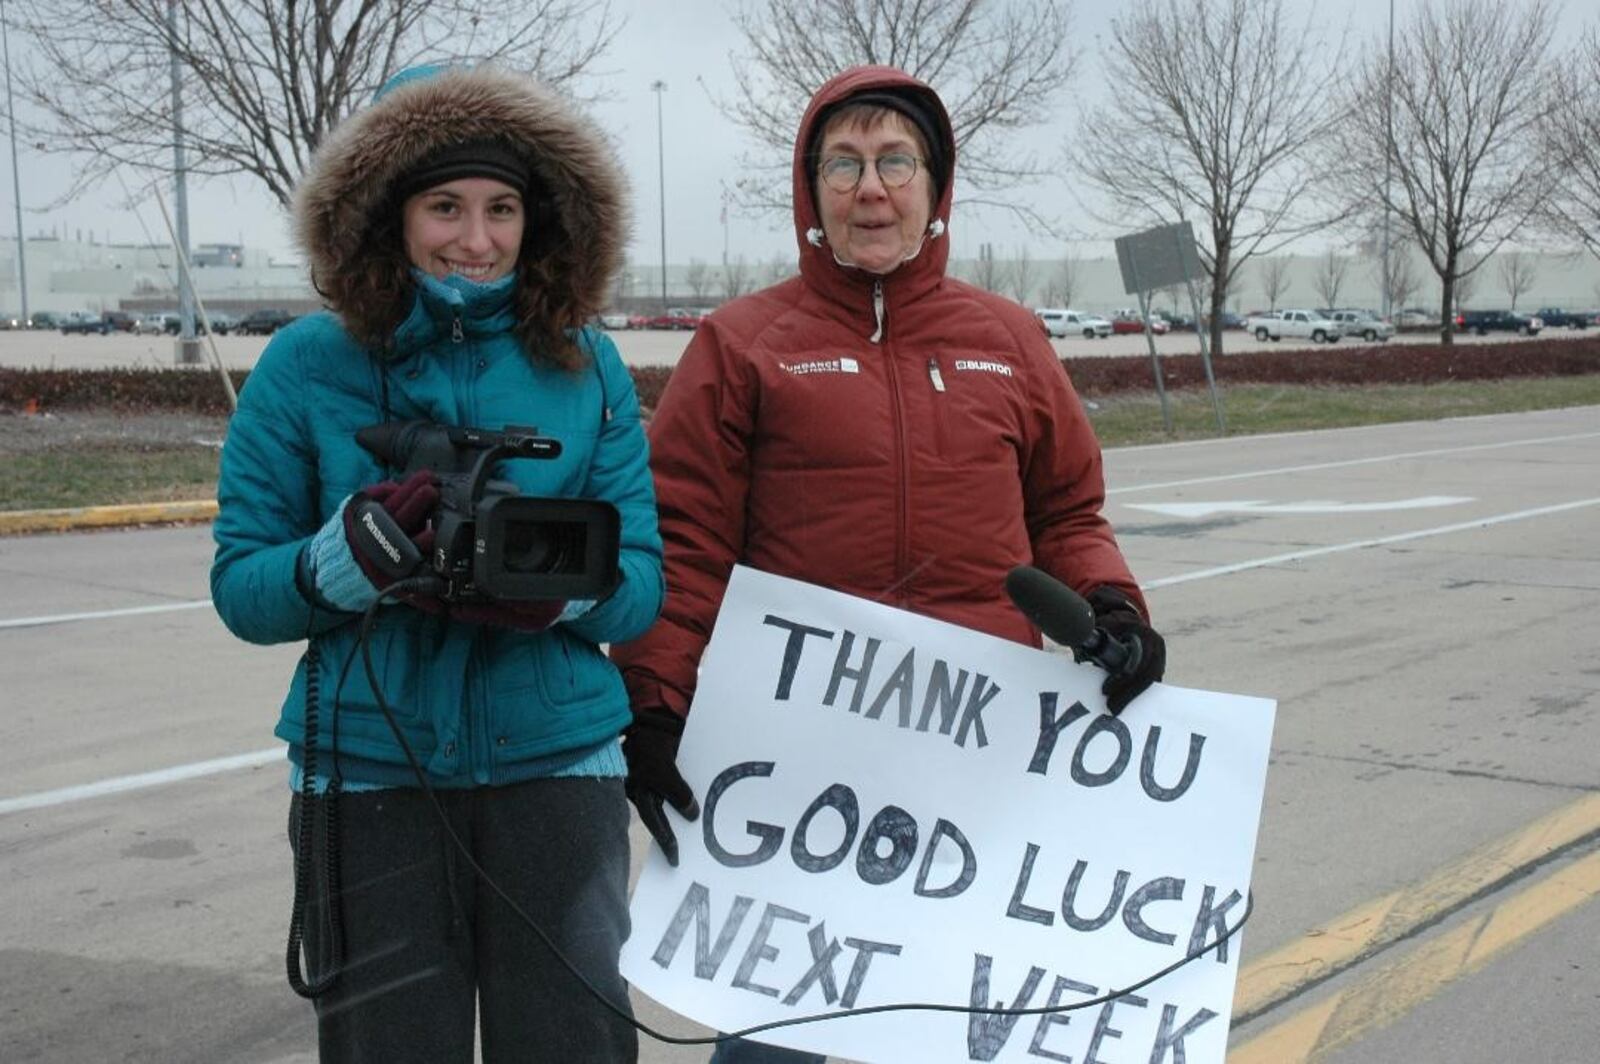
(492, 543)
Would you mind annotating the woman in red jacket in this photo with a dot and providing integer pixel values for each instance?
(871, 426)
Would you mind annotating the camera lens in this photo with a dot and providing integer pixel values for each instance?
(541, 547)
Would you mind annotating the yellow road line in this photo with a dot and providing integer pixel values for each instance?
(1389, 993)
(19, 521)
(1370, 927)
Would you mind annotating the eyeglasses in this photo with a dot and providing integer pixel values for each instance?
(842, 173)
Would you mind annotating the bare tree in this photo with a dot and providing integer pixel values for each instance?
(1274, 275)
(1571, 137)
(1331, 271)
(1455, 113)
(265, 81)
(1020, 276)
(736, 279)
(1401, 282)
(997, 66)
(778, 269)
(1061, 283)
(1465, 287)
(986, 272)
(1517, 272)
(697, 275)
(1216, 103)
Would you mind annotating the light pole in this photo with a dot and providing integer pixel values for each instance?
(16, 181)
(659, 87)
(1388, 163)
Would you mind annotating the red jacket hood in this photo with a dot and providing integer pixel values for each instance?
(817, 263)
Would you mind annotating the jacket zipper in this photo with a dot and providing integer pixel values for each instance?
(457, 333)
(934, 375)
(901, 448)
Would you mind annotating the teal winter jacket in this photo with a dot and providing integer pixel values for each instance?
(477, 704)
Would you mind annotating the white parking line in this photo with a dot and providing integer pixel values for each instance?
(122, 784)
(1361, 544)
(205, 768)
(1401, 456)
(96, 615)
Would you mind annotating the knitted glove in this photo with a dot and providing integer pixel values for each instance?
(650, 746)
(1117, 614)
(378, 536)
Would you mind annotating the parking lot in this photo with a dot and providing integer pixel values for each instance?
(1419, 598)
(648, 347)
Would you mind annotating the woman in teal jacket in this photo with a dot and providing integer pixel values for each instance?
(462, 230)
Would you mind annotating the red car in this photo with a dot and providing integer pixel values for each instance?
(1128, 321)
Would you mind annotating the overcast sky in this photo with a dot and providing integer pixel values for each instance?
(686, 43)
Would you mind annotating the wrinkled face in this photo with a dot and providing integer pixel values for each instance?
(471, 226)
(873, 226)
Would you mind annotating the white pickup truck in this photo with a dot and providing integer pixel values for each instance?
(1299, 324)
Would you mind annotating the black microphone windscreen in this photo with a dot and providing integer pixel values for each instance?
(1060, 612)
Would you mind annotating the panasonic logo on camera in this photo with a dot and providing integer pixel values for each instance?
(383, 541)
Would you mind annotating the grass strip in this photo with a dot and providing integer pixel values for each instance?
(100, 474)
(104, 473)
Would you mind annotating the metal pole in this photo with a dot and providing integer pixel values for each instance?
(659, 87)
(16, 180)
(188, 348)
(211, 337)
(1150, 338)
(1388, 156)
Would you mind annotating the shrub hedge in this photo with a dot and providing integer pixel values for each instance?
(198, 392)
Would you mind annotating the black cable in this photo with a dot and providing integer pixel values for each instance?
(312, 808)
(432, 584)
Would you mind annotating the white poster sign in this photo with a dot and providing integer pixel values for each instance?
(899, 810)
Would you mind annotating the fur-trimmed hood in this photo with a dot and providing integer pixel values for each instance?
(346, 220)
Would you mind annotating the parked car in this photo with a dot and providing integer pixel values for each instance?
(1179, 322)
(1415, 318)
(1059, 321)
(222, 323)
(1363, 323)
(81, 321)
(1129, 321)
(14, 321)
(1230, 320)
(1484, 322)
(614, 320)
(264, 322)
(150, 324)
(46, 319)
(1555, 318)
(1298, 324)
(119, 320)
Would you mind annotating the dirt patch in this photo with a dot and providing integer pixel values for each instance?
(57, 430)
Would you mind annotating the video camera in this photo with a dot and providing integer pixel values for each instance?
(490, 541)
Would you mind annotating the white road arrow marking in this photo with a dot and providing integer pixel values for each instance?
(1318, 506)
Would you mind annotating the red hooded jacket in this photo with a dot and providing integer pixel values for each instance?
(902, 437)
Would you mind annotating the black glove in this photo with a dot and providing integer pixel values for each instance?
(650, 746)
(1116, 613)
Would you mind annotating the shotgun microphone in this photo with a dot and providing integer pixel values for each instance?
(1063, 615)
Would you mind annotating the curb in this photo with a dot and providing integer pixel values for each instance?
(16, 522)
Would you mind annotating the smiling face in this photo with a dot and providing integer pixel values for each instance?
(873, 226)
(471, 226)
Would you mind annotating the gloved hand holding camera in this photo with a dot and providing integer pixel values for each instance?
(379, 536)
(650, 746)
(1119, 617)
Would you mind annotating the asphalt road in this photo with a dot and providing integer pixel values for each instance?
(1420, 598)
(647, 347)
